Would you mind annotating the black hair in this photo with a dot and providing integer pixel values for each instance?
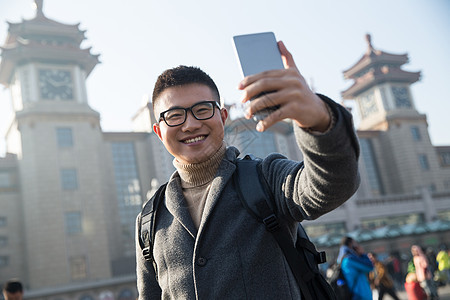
(13, 286)
(346, 241)
(182, 75)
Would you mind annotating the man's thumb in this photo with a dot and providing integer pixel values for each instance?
(286, 56)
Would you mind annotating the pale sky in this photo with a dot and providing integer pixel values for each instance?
(138, 39)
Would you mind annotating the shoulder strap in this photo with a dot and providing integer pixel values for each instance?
(147, 224)
(253, 191)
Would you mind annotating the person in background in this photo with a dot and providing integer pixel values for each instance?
(413, 289)
(380, 278)
(355, 265)
(431, 256)
(13, 290)
(394, 267)
(443, 261)
(424, 276)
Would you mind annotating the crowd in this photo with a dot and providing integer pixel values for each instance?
(367, 277)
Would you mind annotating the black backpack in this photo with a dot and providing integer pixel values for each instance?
(257, 199)
(339, 283)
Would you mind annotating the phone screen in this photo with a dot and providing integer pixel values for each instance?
(257, 52)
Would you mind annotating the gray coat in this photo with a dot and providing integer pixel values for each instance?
(231, 255)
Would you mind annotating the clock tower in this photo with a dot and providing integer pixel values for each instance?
(59, 145)
(381, 88)
(396, 147)
(43, 64)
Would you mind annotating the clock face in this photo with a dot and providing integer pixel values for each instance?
(368, 105)
(401, 97)
(55, 84)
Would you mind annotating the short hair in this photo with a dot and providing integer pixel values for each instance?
(182, 75)
(13, 286)
(346, 241)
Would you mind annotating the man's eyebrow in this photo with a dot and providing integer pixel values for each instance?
(174, 107)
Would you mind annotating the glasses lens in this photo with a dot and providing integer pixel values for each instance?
(175, 116)
(203, 111)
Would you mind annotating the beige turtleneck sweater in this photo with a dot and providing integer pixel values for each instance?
(196, 181)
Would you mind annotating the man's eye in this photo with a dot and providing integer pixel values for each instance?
(174, 115)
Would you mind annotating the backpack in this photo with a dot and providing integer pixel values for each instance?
(303, 259)
(339, 283)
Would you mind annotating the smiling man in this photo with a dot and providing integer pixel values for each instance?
(206, 244)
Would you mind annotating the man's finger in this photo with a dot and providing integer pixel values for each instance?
(271, 119)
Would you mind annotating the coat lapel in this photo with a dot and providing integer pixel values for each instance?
(177, 205)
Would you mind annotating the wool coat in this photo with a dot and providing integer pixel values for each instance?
(231, 255)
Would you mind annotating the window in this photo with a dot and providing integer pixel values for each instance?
(368, 156)
(78, 268)
(445, 158)
(128, 189)
(423, 162)
(5, 179)
(4, 261)
(73, 222)
(64, 137)
(69, 179)
(415, 132)
(3, 241)
(2, 221)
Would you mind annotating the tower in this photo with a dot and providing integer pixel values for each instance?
(57, 138)
(393, 134)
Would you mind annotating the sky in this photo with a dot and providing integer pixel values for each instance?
(138, 39)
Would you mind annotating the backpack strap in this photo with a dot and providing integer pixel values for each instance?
(147, 224)
(257, 199)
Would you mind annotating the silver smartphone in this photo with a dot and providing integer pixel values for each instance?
(256, 53)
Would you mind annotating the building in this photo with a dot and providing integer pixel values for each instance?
(69, 192)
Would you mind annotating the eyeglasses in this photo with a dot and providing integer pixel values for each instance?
(203, 110)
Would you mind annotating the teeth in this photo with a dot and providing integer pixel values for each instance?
(196, 139)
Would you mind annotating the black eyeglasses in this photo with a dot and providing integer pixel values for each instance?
(203, 110)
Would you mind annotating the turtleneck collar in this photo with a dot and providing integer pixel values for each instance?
(198, 174)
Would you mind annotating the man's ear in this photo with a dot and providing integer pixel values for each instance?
(157, 130)
(223, 114)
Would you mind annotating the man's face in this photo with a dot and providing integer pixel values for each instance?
(12, 296)
(195, 140)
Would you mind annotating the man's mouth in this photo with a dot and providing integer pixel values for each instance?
(195, 139)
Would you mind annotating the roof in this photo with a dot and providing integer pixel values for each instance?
(45, 40)
(391, 231)
(376, 67)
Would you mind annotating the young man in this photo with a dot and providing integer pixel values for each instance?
(206, 244)
(13, 290)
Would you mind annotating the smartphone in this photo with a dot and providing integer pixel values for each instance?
(256, 53)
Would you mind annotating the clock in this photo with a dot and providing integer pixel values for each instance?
(55, 84)
(368, 105)
(401, 97)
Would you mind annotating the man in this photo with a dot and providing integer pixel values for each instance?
(355, 265)
(381, 279)
(206, 244)
(13, 290)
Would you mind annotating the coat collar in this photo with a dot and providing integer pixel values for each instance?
(176, 204)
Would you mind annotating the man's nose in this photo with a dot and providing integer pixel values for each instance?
(191, 122)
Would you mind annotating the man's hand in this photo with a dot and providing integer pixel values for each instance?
(292, 94)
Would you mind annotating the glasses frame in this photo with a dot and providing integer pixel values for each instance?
(186, 109)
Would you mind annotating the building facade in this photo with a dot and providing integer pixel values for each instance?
(69, 192)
